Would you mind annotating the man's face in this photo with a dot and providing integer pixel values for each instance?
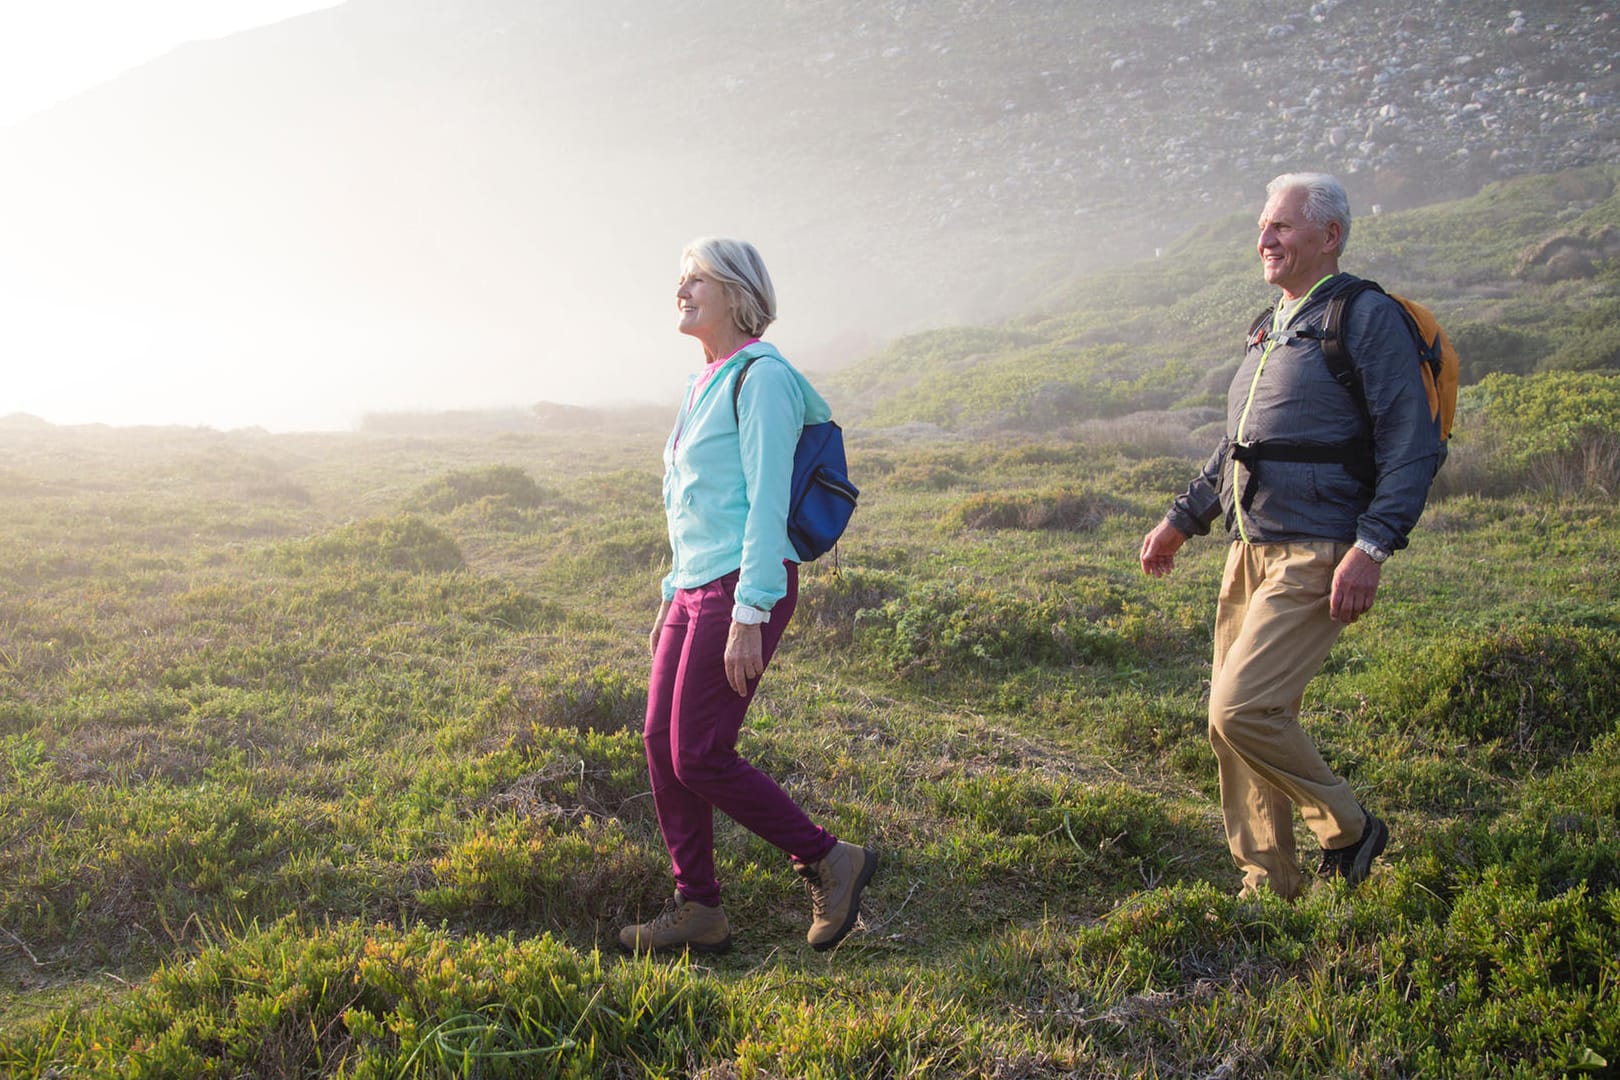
(1295, 253)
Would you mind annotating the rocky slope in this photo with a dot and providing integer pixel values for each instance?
(431, 202)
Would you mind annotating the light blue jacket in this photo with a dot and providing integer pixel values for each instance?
(726, 481)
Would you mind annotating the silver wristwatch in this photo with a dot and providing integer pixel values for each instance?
(1371, 550)
(749, 616)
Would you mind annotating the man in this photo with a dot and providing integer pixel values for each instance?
(1319, 483)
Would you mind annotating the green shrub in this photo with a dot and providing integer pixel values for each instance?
(924, 476)
(1564, 830)
(831, 603)
(1065, 509)
(1590, 342)
(1547, 413)
(1491, 348)
(1162, 477)
(405, 543)
(941, 626)
(535, 868)
(506, 484)
(1508, 979)
(1527, 689)
(1170, 937)
(375, 1002)
(606, 699)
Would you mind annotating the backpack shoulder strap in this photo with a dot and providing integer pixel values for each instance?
(736, 387)
(1334, 349)
(1257, 329)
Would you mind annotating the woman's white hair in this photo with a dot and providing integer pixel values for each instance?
(738, 267)
(1325, 199)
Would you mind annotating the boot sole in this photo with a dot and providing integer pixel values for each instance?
(1361, 869)
(714, 949)
(854, 913)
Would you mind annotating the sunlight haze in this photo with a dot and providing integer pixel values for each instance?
(297, 215)
(52, 51)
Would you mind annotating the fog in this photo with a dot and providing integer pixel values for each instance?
(344, 213)
(454, 204)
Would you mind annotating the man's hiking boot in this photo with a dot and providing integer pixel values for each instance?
(835, 885)
(1353, 862)
(683, 924)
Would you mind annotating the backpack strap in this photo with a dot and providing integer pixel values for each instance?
(1334, 350)
(736, 388)
(1257, 329)
(1355, 456)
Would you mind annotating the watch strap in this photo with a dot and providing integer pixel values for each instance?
(749, 616)
(1371, 550)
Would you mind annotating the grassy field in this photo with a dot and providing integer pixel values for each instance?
(320, 756)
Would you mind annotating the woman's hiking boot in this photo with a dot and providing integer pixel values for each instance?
(835, 885)
(683, 924)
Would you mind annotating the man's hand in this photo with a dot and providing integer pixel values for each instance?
(1159, 549)
(1355, 583)
(745, 657)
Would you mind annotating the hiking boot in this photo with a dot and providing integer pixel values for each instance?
(683, 924)
(1353, 862)
(835, 885)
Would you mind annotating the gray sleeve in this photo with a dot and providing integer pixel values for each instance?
(1405, 438)
(1198, 506)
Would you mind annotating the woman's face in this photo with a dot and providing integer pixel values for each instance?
(705, 313)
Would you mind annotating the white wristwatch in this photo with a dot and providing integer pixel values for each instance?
(749, 616)
(1371, 550)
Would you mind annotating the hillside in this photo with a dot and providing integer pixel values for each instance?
(440, 204)
(1525, 276)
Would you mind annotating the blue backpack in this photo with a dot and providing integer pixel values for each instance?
(822, 499)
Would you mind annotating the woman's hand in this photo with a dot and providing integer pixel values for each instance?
(657, 629)
(745, 657)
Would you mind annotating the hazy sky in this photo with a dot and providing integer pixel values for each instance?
(53, 49)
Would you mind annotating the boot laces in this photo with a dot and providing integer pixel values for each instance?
(672, 914)
(818, 888)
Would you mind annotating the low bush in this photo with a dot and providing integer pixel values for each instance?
(1563, 831)
(1527, 689)
(1163, 477)
(405, 543)
(924, 476)
(1066, 509)
(603, 699)
(1490, 348)
(537, 869)
(1548, 413)
(506, 484)
(830, 604)
(940, 626)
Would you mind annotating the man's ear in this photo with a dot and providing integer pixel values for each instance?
(1335, 236)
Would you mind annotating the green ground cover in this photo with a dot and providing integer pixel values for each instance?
(320, 755)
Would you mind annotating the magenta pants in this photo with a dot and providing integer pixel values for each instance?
(693, 717)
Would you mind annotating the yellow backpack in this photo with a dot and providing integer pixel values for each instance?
(1435, 353)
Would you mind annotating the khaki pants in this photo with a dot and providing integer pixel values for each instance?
(1272, 633)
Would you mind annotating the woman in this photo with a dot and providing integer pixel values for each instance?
(726, 600)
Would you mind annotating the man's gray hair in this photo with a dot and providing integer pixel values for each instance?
(1325, 199)
(738, 267)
